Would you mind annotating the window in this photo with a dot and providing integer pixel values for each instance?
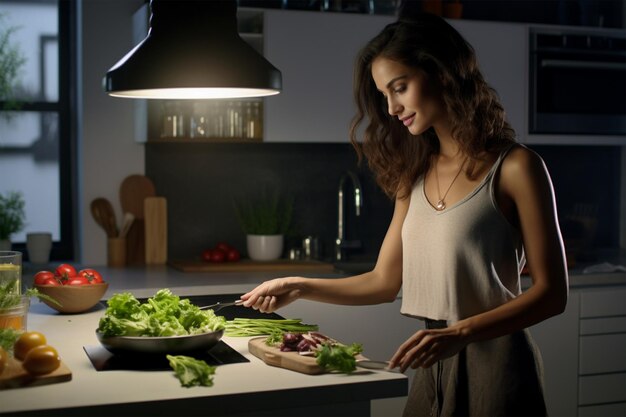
(37, 136)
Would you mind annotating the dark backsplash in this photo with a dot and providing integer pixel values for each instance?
(587, 185)
(200, 182)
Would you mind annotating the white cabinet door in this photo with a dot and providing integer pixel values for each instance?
(502, 51)
(315, 53)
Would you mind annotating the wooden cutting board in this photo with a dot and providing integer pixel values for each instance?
(246, 265)
(14, 376)
(155, 213)
(134, 189)
(289, 360)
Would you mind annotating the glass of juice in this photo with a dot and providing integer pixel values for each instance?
(13, 305)
(14, 315)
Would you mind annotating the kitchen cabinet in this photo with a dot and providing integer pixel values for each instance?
(316, 55)
(315, 52)
(501, 49)
(583, 354)
(602, 360)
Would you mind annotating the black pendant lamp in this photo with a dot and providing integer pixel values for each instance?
(193, 51)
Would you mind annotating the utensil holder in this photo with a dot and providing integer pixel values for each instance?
(116, 252)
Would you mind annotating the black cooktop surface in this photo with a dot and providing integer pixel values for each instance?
(220, 354)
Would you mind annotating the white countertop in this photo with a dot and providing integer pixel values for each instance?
(242, 387)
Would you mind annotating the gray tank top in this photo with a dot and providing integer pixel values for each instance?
(461, 261)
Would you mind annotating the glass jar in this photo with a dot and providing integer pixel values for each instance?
(253, 128)
(200, 120)
(173, 120)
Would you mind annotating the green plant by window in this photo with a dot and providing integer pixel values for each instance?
(11, 63)
(267, 214)
(12, 216)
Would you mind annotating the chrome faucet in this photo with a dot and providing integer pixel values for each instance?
(341, 243)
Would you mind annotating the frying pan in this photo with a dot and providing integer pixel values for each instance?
(160, 345)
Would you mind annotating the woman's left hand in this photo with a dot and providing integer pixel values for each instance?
(428, 346)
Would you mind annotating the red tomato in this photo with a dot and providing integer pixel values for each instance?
(218, 255)
(92, 276)
(233, 255)
(65, 271)
(76, 281)
(223, 246)
(206, 255)
(51, 281)
(42, 276)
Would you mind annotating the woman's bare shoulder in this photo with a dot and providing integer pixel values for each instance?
(520, 159)
(522, 167)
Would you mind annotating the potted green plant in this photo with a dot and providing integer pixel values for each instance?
(11, 63)
(265, 220)
(12, 217)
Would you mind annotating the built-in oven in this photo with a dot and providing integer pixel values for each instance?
(577, 82)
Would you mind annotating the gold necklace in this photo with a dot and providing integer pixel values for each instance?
(441, 204)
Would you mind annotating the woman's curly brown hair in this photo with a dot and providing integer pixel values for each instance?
(431, 45)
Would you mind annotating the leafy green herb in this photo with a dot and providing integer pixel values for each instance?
(241, 327)
(34, 292)
(12, 61)
(267, 214)
(191, 372)
(164, 314)
(335, 357)
(12, 214)
(10, 298)
(8, 337)
(275, 338)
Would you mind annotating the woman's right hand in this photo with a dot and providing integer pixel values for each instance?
(272, 295)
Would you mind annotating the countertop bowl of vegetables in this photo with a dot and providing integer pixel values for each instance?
(160, 344)
(73, 298)
(163, 324)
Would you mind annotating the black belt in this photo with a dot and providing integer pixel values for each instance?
(436, 324)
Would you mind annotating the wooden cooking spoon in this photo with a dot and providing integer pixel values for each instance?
(102, 212)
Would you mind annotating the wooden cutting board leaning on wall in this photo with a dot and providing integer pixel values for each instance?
(155, 212)
(133, 191)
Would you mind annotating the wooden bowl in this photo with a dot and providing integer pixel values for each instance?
(73, 298)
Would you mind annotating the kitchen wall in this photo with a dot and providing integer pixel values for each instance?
(587, 182)
(200, 180)
(106, 149)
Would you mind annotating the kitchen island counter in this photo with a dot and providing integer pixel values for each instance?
(250, 388)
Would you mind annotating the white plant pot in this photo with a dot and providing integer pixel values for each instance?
(265, 247)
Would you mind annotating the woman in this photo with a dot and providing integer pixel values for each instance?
(471, 206)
